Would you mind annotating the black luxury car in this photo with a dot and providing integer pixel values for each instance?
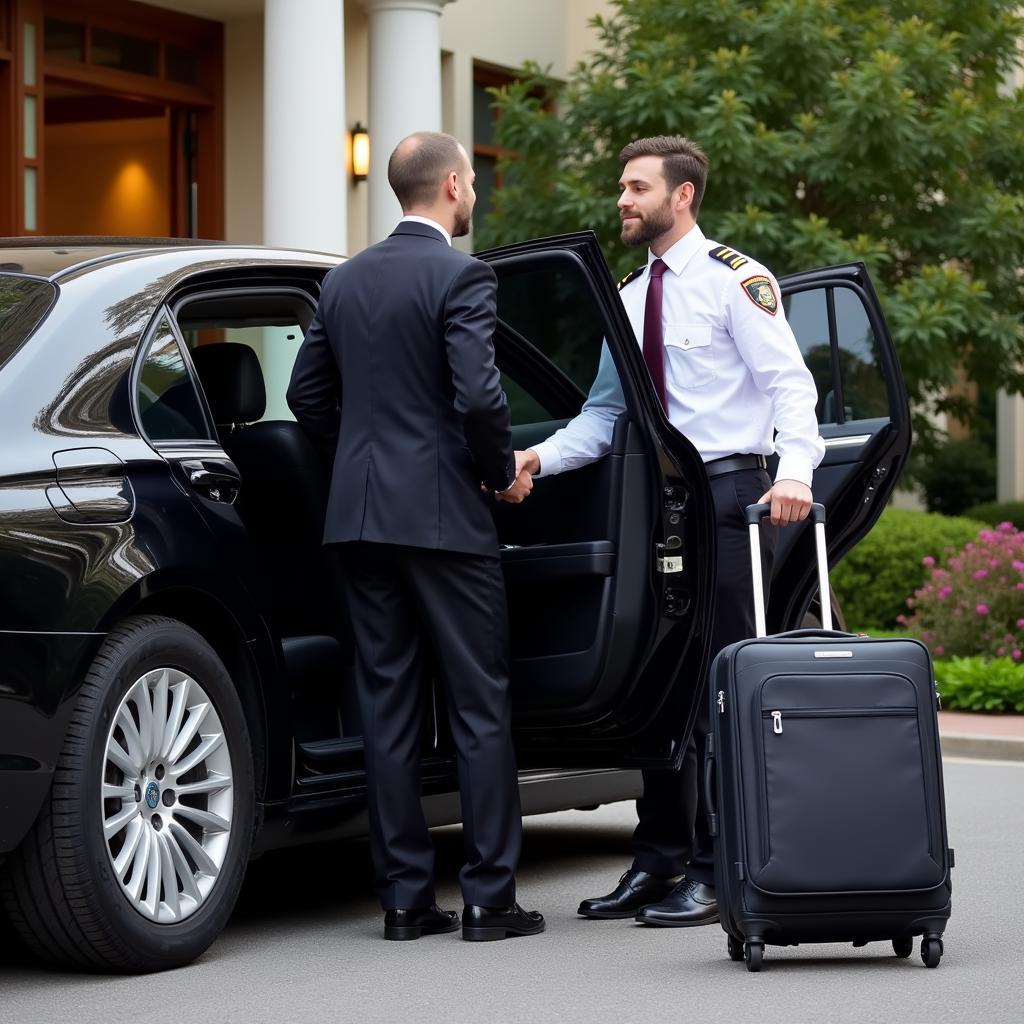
(175, 661)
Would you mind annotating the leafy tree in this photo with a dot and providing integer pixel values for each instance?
(837, 130)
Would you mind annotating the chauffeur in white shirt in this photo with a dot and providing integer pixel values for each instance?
(725, 363)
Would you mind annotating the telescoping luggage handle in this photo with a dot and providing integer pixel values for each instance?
(755, 513)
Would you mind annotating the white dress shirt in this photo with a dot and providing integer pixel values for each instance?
(416, 219)
(734, 375)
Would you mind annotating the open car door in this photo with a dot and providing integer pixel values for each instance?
(863, 416)
(609, 567)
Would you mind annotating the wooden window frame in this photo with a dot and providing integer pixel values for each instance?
(491, 75)
(198, 109)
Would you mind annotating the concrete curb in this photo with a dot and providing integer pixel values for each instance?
(997, 748)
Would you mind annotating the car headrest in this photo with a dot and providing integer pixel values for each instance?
(233, 381)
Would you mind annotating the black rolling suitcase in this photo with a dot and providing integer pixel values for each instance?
(823, 780)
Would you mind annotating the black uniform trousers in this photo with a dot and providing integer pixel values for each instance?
(672, 834)
(406, 604)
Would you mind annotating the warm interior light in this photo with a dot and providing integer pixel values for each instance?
(360, 152)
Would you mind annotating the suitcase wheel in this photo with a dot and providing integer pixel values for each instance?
(753, 953)
(735, 950)
(903, 946)
(931, 951)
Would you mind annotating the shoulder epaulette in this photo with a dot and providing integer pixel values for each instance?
(730, 257)
(632, 276)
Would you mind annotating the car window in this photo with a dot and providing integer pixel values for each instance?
(168, 402)
(550, 308)
(276, 347)
(24, 302)
(843, 358)
(271, 323)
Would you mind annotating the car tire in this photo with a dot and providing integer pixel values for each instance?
(77, 891)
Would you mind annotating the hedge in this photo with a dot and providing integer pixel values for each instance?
(995, 512)
(977, 684)
(875, 579)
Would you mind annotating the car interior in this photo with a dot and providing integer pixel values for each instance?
(575, 555)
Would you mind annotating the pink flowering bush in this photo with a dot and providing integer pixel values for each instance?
(972, 601)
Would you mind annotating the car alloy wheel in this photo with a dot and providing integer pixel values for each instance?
(167, 795)
(139, 851)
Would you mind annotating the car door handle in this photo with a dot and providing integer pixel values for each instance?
(208, 478)
(218, 483)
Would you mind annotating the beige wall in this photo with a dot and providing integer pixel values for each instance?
(357, 103)
(108, 178)
(553, 33)
(243, 130)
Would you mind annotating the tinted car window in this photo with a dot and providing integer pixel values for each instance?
(24, 301)
(168, 401)
(860, 375)
(554, 310)
(864, 394)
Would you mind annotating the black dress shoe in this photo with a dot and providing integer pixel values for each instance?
(689, 903)
(411, 924)
(485, 924)
(636, 889)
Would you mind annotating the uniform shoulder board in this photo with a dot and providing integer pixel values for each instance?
(632, 276)
(730, 257)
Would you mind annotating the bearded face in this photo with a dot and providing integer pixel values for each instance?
(464, 214)
(641, 227)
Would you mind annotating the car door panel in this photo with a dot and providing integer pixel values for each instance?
(864, 420)
(607, 654)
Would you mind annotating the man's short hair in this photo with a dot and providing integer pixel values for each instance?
(681, 160)
(419, 165)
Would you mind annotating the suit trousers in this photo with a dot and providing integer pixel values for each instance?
(672, 834)
(410, 607)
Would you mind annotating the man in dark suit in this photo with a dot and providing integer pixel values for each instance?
(396, 382)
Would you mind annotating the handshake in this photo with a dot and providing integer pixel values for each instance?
(527, 464)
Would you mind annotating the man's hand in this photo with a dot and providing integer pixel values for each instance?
(527, 464)
(791, 501)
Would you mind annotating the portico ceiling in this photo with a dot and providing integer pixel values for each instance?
(215, 10)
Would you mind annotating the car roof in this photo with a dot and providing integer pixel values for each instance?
(51, 256)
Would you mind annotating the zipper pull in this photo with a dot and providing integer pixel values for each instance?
(777, 723)
(721, 702)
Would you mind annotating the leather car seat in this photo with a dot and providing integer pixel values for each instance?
(282, 502)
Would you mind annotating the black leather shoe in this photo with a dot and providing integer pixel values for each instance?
(485, 924)
(689, 903)
(402, 925)
(636, 889)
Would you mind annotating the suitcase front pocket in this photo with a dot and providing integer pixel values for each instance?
(845, 803)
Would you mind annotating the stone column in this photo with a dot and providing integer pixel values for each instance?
(304, 167)
(405, 90)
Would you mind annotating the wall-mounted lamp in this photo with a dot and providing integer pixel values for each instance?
(360, 153)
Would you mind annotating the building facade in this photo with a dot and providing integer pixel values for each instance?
(234, 118)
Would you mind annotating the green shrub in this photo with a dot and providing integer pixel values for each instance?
(958, 475)
(978, 684)
(996, 512)
(875, 579)
(973, 603)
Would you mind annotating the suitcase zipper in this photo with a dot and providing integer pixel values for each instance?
(776, 716)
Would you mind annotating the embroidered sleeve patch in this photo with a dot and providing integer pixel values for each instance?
(761, 293)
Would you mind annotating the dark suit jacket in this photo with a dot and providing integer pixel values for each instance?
(396, 383)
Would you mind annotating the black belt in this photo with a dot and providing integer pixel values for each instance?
(734, 464)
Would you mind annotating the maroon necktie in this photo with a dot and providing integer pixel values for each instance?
(654, 349)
